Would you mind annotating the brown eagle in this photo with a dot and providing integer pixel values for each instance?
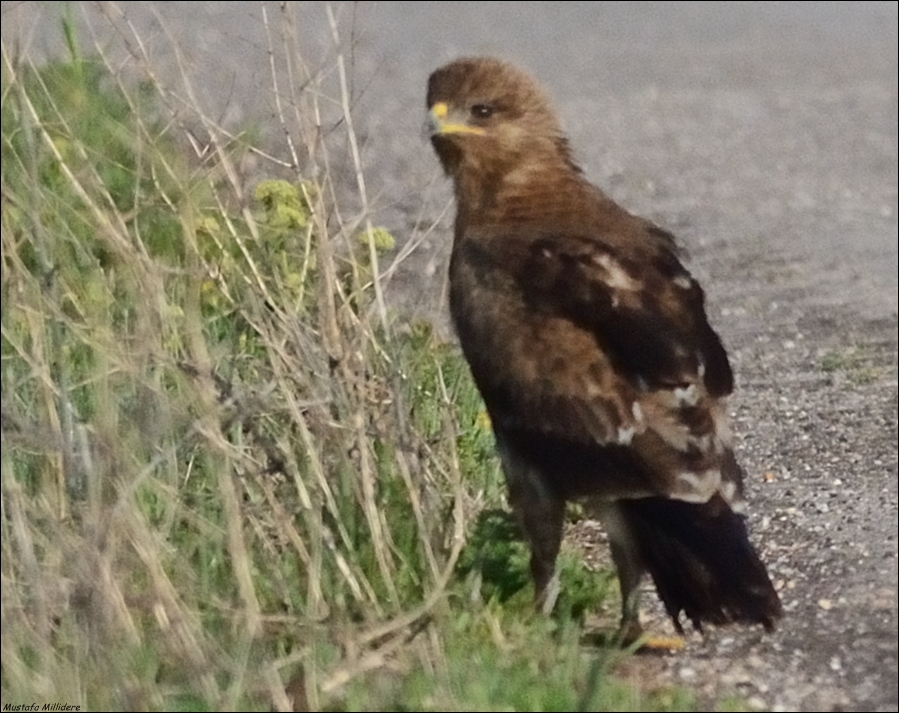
(590, 345)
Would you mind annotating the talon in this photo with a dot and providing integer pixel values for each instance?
(660, 644)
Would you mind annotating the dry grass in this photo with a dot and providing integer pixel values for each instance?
(229, 479)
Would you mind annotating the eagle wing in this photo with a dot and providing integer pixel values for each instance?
(597, 361)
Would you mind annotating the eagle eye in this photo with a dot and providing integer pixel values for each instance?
(482, 111)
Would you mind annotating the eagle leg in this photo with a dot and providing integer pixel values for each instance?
(541, 519)
(540, 513)
(630, 572)
(630, 568)
(543, 529)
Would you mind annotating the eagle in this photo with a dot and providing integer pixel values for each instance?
(590, 345)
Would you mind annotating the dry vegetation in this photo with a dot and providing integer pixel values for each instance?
(230, 478)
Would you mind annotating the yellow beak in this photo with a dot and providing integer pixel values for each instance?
(441, 122)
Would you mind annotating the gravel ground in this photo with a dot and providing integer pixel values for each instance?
(817, 423)
(765, 136)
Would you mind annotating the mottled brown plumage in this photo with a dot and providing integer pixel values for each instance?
(589, 342)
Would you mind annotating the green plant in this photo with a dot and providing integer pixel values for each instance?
(222, 462)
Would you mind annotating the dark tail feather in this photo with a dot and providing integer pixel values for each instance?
(702, 562)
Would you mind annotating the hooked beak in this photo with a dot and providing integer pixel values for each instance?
(441, 121)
